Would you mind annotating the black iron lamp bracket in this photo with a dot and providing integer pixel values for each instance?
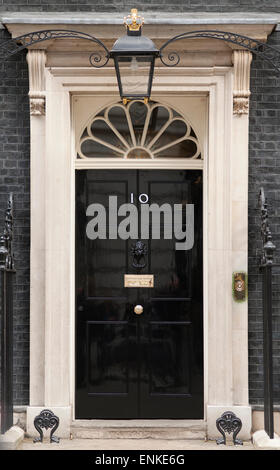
(137, 49)
(99, 60)
(15, 45)
(263, 50)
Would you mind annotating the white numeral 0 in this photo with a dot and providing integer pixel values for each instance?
(143, 198)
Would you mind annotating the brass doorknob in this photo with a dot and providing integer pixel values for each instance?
(138, 309)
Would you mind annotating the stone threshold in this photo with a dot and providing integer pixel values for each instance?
(131, 423)
(138, 429)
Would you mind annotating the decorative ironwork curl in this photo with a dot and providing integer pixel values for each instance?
(95, 58)
(173, 58)
(268, 246)
(45, 420)
(6, 252)
(266, 52)
(12, 46)
(229, 423)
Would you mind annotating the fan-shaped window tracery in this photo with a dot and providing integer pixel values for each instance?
(138, 131)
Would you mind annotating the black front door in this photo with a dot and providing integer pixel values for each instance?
(130, 365)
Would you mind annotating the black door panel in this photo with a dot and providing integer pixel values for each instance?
(138, 366)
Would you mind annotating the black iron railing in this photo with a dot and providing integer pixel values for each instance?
(7, 272)
(266, 266)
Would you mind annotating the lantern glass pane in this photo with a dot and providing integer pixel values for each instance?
(135, 75)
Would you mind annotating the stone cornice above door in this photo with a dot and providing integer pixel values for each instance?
(160, 26)
(156, 18)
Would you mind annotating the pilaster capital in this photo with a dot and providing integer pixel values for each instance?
(36, 59)
(241, 90)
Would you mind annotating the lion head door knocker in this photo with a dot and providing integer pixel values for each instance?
(139, 251)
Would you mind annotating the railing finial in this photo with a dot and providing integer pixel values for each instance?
(268, 246)
(6, 239)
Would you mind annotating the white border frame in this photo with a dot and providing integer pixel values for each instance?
(225, 324)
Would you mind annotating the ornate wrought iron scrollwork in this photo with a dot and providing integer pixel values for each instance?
(6, 252)
(268, 246)
(12, 46)
(229, 423)
(139, 251)
(46, 420)
(266, 52)
(263, 50)
(171, 59)
(98, 60)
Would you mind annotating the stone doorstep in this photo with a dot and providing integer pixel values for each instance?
(140, 429)
(262, 441)
(11, 439)
(132, 444)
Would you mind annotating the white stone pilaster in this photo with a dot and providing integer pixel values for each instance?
(58, 289)
(36, 65)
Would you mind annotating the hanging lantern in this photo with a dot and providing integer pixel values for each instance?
(134, 57)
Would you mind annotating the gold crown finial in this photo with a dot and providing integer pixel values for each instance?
(133, 22)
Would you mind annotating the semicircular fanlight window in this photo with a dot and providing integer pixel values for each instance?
(138, 130)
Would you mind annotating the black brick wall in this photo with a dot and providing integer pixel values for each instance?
(14, 176)
(264, 169)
